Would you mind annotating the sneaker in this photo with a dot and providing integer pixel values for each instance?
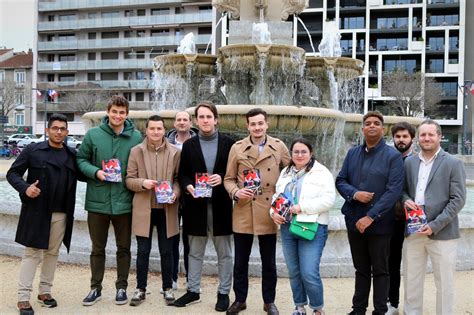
(187, 288)
(391, 310)
(47, 300)
(174, 287)
(121, 297)
(91, 298)
(168, 295)
(299, 310)
(25, 308)
(187, 299)
(222, 302)
(138, 297)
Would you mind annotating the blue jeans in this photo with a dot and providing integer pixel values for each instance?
(302, 259)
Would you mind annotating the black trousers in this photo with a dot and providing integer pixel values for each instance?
(370, 258)
(165, 244)
(184, 236)
(243, 247)
(395, 261)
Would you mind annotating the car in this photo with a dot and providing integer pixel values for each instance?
(24, 142)
(13, 139)
(73, 142)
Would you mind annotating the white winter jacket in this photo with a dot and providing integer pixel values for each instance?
(317, 196)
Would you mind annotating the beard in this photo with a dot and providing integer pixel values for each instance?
(403, 149)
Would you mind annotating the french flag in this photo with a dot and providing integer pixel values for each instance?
(38, 93)
(52, 93)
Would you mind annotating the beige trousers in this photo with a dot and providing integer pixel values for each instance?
(32, 257)
(416, 250)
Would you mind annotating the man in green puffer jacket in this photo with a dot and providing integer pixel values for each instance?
(106, 148)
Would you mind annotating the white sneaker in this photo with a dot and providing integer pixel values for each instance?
(169, 295)
(391, 310)
(174, 287)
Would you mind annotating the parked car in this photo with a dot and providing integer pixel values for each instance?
(19, 136)
(24, 142)
(73, 142)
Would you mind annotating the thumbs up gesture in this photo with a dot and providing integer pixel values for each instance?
(32, 191)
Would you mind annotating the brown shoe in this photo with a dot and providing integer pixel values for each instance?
(271, 309)
(236, 307)
(25, 308)
(47, 300)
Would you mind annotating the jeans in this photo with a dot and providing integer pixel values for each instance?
(99, 231)
(184, 235)
(302, 260)
(243, 247)
(158, 219)
(370, 258)
(395, 261)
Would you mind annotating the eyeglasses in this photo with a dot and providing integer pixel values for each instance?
(56, 129)
(302, 152)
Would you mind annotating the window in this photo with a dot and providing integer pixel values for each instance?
(128, 34)
(2, 75)
(109, 76)
(20, 118)
(205, 8)
(178, 10)
(141, 12)
(129, 13)
(20, 98)
(113, 14)
(92, 15)
(66, 77)
(205, 30)
(20, 77)
(67, 17)
(129, 75)
(50, 77)
(140, 54)
(50, 58)
(128, 96)
(160, 11)
(91, 56)
(91, 76)
(68, 57)
(92, 35)
(67, 37)
(106, 35)
(139, 96)
(111, 55)
(163, 32)
(50, 18)
(50, 38)
(141, 33)
(140, 75)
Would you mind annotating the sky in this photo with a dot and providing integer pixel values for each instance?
(17, 24)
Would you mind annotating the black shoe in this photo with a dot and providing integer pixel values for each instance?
(236, 307)
(47, 300)
(222, 302)
(121, 297)
(356, 313)
(91, 298)
(138, 297)
(25, 308)
(271, 309)
(187, 299)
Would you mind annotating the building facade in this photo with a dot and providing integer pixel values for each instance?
(16, 91)
(89, 49)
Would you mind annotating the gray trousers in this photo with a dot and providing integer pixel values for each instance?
(197, 250)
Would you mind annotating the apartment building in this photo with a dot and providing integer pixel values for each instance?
(414, 35)
(88, 49)
(15, 91)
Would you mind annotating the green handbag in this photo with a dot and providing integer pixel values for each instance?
(304, 230)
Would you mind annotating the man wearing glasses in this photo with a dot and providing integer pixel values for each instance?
(264, 156)
(48, 197)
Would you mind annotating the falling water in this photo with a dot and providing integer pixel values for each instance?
(213, 33)
(309, 35)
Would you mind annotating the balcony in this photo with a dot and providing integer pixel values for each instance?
(86, 44)
(104, 84)
(70, 107)
(169, 19)
(82, 4)
(95, 65)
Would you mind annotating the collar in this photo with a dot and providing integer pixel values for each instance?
(373, 149)
(422, 158)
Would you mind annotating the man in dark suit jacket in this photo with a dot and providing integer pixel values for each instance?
(436, 181)
(209, 216)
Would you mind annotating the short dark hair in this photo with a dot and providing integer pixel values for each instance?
(209, 105)
(254, 112)
(374, 113)
(431, 122)
(403, 125)
(56, 117)
(154, 118)
(118, 100)
(311, 151)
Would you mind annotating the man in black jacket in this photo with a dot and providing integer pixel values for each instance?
(48, 197)
(209, 216)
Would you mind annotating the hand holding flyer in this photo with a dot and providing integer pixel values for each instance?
(202, 188)
(112, 170)
(416, 219)
(164, 192)
(281, 205)
(252, 180)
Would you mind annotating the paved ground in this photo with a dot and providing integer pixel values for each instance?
(72, 284)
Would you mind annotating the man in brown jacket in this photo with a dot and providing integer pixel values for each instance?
(267, 156)
(154, 163)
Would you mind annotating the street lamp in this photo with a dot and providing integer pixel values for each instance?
(466, 89)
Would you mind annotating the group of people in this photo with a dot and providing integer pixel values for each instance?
(373, 181)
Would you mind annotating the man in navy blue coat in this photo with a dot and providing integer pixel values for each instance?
(370, 181)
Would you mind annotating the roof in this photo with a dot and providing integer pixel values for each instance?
(4, 51)
(19, 60)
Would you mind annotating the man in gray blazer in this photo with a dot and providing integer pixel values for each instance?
(436, 181)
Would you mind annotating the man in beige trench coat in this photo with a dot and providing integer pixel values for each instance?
(151, 163)
(250, 216)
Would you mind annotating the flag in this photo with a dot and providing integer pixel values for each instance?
(38, 93)
(472, 88)
(52, 94)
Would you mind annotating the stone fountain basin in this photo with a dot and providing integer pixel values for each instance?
(176, 64)
(344, 68)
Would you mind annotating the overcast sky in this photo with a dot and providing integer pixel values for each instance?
(17, 24)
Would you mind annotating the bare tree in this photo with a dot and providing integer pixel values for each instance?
(87, 100)
(414, 93)
(8, 96)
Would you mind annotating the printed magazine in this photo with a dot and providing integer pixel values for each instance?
(281, 205)
(416, 218)
(202, 188)
(164, 192)
(113, 170)
(252, 180)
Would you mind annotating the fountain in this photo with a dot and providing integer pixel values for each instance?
(302, 96)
